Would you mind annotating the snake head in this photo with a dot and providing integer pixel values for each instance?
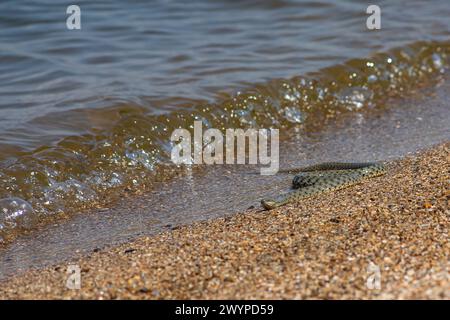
(268, 204)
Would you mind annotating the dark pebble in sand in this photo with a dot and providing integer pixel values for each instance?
(335, 220)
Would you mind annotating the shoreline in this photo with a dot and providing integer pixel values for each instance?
(325, 247)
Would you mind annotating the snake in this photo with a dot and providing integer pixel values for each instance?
(325, 177)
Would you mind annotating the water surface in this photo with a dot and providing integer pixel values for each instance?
(86, 114)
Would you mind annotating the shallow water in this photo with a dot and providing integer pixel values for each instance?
(85, 114)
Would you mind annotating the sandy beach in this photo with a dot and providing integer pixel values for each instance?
(391, 229)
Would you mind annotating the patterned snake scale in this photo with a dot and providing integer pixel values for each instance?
(325, 177)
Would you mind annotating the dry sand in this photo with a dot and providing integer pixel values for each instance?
(324, 247)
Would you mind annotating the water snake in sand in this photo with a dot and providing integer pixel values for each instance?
(325, 177)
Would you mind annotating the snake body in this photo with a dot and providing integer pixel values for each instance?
(325, 177)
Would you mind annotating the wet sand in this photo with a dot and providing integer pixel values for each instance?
(326, 247)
